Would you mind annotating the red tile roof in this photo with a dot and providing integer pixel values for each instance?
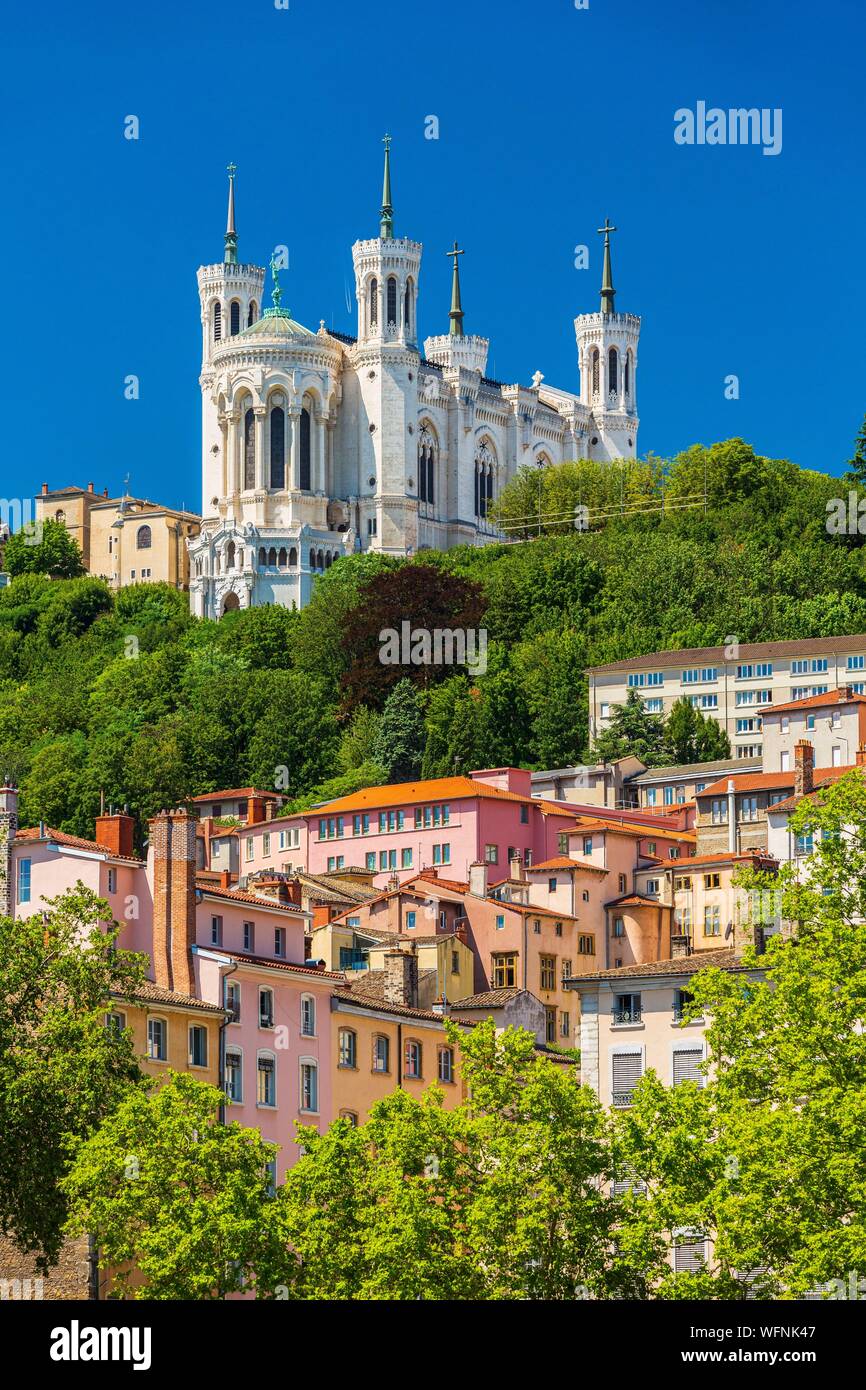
(723, 959)
(839, 696)
(679, 866)
(236, 792)
(768, 781)
(59, 837)
(433, 789)
(612, 826)
(291, 967)
(210, 890)
(562, 861)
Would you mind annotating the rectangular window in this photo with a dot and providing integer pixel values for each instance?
(626, 1071)
(280, 941)
(500, 921)
(24, 868)
(233, 1000)
(682, 884)
(266, 844)
(855, 663)
(689, 1254)
(370, 861)
(249, 936)
(668, 796)
(309, 1087)
(561, 845)
(748, 808)
(491, 854)
(719, 810)
(234, 1075)
(504, 971)
(197, 1046)
(548, 972)
(524, 815)
(266, 1008)
(687, 1065)
(712, 881)
(618, 926)
(551, 885)
(266, 1082)
(392, 859)
(251, 847)
(446, 1065)
(156, 1039)
(381, 1053)
(405, 859)
(805, 844)
(412, 1060)
(651, 796)
(383, 859)
(586, 946)
(112, 880)
(712, 920)
(652, 887)
(587, 844)
(550, 1025)
(654, 704)
(308, 1016)
(216, 931)
(410, 920)
(626, 1009)
(564, 1024)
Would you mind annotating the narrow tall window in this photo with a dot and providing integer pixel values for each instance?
(374, 302)
(249, 449)
(278, 447)
(594, 371)
(391, 316)
(626, 386)
(144, 538)
(217, 321)
(304, 463)
(407, 308)
(251, 313)
(613, 372)
(235, 323)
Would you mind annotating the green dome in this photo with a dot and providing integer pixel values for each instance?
(276, 323)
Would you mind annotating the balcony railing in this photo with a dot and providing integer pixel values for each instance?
(621, 1016)
(621, 1100)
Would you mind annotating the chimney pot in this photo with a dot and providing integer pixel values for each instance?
(44, 489)
(90, 487)
(401, 978)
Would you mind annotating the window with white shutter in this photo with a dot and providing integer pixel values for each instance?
(690, 1253)
(687, 1065)
(627, 1069)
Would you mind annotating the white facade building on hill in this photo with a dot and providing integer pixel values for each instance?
(316, 444)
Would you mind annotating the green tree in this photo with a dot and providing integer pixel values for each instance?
(857, 465)
(692, 737)
(170, 1191)
(49, 550)
(399, 744)
(632, 732)
(62, 1070)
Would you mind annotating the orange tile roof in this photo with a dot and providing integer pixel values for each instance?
(434, 789)
(739, 856)
(819, 783)
(636, 900)
(59, 837)
(723, 958)
(839, 696)
(640, 832)
(562, 861)
(236, 792)
(291, 966)
(237, 895)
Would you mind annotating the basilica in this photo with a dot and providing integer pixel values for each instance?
(316, 444)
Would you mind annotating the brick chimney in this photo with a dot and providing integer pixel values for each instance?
(116, 833)
(804, 767)
(255, 810)
(172, 838)
(401, 978)
(681, 945)
(8, 829)
(44, 489)
(478, 879)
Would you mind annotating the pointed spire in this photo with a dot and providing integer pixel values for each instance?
(607, 290)
(386, 224)
(456, 313)
(231, 252)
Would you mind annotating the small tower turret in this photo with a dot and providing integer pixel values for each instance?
(607, 344)
(455, 348)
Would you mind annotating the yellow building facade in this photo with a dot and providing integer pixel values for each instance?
(125, 540)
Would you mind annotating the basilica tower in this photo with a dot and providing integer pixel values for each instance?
(230, 295)
(386, 361)
(607, 345)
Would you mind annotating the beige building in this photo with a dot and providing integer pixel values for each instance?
(126, 540)
(734, 689)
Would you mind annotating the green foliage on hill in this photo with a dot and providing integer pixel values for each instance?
(130, 696)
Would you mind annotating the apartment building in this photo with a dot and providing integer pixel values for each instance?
(734, 684)
(666, 788)
(126, 540)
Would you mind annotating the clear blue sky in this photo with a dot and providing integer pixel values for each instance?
(550, 119)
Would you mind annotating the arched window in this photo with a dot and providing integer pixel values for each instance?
(235, 322)
(320, 560)
(309, 1084)
(249, 449)
(626, 366)
(217, 321)
(263, 556)
(328, 558)
(278, 447)
(143, 538)
(281, 558)
(407, 307)
(308, 1016)
(348, 1039)
(293, 558)
(381, 1052)
(594, 370)
(485, 464)
(251, 313)
(230, 555)
(272, 555)
(304, 452)
(374, 302)
(231, 603)
(426, 465)
(266, 1079)
(391, 316)
(412, 1060)
(613, 372)
(60, 516)
(446, 1064)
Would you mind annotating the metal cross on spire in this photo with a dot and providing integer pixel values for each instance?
(607, 290)
(456, 312)
(231, 251)
(386, 216)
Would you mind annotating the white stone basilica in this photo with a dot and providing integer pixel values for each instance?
(317, 444)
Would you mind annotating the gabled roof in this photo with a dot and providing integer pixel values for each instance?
(772, 781)
(819, 784)
(685, 866)
(635, 900)
(235, 793)
(368, 991)
(37, 835)
(237, 895)
(562, 861)
(421, 792)
(291, 967)
(688, 770)
(724, 959)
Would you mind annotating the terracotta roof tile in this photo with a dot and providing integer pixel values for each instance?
(59, 837)
(488, 998)
(839, 696)
(236, 792)
(562, 861)
(421, 792)
(150, 993)
(725, 959)
(238, 896)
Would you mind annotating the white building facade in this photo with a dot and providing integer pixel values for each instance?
(317, 444)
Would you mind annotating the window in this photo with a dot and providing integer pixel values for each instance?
(626, 1072)
(442, 854)
(233, 1000)
(491, 854)
(249, 449)
(536, 926)
(785, 761)
(374, 302)
(391, 314)
(682, 884)
(561, 845)
(266, 844)
(249, 936)
(748, 808)
(687, 1065)
(618, 926)
(524, 815)
(640, 679)
(550, 1025)
(216, 931)
(500, 921)
(587, 844)
(116, 1022)
(348, 1040)
(280, 941)
(712, 919)
(455, 962)
(370, 861)
(712, 880)
(654, 704)
(558, 929)
(412, 1060)
(308, 1016)
(805, 843)
(234, 1075)
(652, 887)
(564, 1024)
(310, 1086)
(143, 538)
(548, 972)
(698, 675)
(197, 1046)
(836, 757)
(810, 721)
(651, 848)
(704, 701)
(626, 1009)
(250, 847)
(405, 859)
(446, 1065)
(266, 1080)
(381, 1053)
(112, 880)
(24, 868)
(682, 997)
(719, 810)
(304, 453)
(504, 971)
(217, 321)
(814, 666)
(689, 1253)
(278, 447)
(266, 1008)
(586, 946)
(156, 1039)
(551, 885)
